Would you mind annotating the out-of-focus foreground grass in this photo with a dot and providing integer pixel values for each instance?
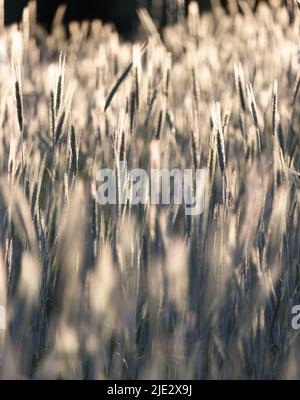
(97, 292)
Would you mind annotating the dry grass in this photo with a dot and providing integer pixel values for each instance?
(142, 291)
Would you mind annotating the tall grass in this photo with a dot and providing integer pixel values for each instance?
(133, 291)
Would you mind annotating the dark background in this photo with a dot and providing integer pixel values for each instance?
(121, 12)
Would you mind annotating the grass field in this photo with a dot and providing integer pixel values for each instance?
(144, 291)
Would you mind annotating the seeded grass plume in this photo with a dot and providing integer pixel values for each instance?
(142, 291)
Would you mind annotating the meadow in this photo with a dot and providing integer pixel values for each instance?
(144, 291)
